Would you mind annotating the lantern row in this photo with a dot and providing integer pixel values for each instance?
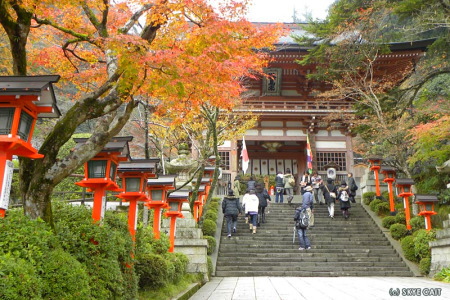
(140, 183)
(426, 202)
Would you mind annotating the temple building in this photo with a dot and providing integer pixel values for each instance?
(290, 109)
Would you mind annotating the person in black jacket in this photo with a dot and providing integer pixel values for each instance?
(329, 190)
(231, 208)
(263, 197)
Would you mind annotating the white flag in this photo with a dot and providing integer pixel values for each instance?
(244, 155)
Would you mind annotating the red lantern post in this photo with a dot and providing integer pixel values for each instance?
(22, 100)
(100, 172)
(199, 202)
(157, 189)
(426, 207)
(375, 163)
(404, 190)
(389, 178)
(134, 175)
(175, 200)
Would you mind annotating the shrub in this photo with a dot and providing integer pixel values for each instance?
(388, 221)
(417, 223)
(385, 195)
(211, 244)
(424, 265)
(400, 218)
(408, 248)
(443, 275)
(368, 197)
(18, 279)
(209, 227)
(211, 215)
(421, 239)
(210, 266)
(105, 250)
(398, 231)
(374, 203)
(64, 277)
(180, 263)
(153, 270)
(399, 206)
(25, 238)
(382, 208)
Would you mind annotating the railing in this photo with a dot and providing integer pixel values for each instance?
(255, 104)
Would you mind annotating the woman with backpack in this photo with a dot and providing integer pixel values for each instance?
(305, 211)
(344, 199)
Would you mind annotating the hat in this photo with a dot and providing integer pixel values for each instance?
(251, 191)
(230, 193)
(308, 188)
(343, 183)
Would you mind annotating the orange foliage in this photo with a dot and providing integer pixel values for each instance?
(197, 55)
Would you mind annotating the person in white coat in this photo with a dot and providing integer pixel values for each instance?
(251, 202)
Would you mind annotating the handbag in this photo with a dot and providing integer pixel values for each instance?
(332, 194)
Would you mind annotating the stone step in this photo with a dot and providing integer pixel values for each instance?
(300, 273)
(282, 258)
(340, 247)
(315, 267)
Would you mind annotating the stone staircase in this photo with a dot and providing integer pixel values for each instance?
(353, 247)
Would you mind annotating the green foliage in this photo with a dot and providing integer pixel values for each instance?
(153, 270)
(400, 218)
(368, 197)
(25, 238)
(209, 227)
(146, 243)
(387, 221)
(408, 248)
(211, 215)
(443, 275)
(374, 203)
(170, 290)
(424, 265)
(180, 263)
(104, 250)
(382, 208)
(385, 195)
(421, 239)
(19, 279)
(64, 276)
(417, 223)
(212, 243)
(210, 266)
(398, 231)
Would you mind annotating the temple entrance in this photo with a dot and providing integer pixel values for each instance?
(269, 157)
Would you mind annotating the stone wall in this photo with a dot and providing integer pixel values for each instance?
(440, 249)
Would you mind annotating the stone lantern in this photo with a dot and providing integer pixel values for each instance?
(404, 190)
(426, 208)
(23, 99)
(389, 178)
(100, 172)
(134, 175)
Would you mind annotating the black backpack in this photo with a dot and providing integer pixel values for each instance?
(302, 221)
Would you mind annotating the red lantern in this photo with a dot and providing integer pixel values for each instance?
(134, 175)
(22, 100)
(426, 207)
(100, 172)
(404, 190)
(157, 189)
(175, 201)
(375, 167)
(389, 178)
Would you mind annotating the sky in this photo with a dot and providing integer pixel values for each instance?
(283, 10)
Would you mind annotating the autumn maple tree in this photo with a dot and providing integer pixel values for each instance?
(178, 54)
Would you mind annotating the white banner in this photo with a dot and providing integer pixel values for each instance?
(6, 186)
